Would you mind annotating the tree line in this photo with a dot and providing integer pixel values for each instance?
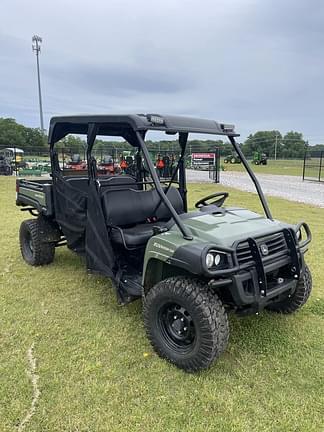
(273, 143)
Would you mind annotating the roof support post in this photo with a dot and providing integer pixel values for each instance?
(91, 162)
(184, 230)
(253, 177)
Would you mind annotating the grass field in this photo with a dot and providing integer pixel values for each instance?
(97, 371)
(281, 167)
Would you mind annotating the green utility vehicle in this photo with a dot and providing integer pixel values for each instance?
(190, 268)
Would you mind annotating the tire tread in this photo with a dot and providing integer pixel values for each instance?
(43, 252)
(298, 298)
(214, 321)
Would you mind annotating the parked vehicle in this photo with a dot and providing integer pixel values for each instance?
(107, 166)
(15, 156)
(232, 159)
(5, 167)
(260, 158)
(76, 163)
(191, 268)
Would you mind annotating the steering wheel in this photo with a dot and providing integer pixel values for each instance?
(221, 197)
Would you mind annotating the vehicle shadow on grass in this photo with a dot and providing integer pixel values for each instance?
(68, 262)
(266, 336)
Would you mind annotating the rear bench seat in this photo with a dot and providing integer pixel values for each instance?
(132, 213)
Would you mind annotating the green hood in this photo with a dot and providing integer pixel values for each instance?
(234, 224)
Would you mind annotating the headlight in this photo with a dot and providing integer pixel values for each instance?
(210, 260)
(216, 260)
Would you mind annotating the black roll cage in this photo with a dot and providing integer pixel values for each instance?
(134, 133)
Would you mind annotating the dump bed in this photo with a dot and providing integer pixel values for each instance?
(36, 194)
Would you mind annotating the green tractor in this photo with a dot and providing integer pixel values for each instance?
(232, 159)
(260, 158)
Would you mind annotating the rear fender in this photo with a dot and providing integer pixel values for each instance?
(50, 230)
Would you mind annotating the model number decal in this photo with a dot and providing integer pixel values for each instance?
(165, 248)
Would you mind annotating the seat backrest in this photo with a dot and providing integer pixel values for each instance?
(162, 212)
(117, 182)
(112, 182)
(80, 183)
(129, 206)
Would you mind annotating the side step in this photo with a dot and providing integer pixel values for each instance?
(130, 287)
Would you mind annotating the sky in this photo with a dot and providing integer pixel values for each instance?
(256, 63)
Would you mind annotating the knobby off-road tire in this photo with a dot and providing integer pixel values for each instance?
(35, 250)
(186, 323)
(298, 298)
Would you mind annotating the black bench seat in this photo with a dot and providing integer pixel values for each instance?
(132, 214)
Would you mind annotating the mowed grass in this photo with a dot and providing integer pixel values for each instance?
(97, 371)
(292, 167)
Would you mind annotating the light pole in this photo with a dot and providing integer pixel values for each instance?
(36, 45)
(276, 144)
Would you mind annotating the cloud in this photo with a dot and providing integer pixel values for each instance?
(118, 80)
(257, 64)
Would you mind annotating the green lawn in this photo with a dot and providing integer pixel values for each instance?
(280, 167)
(97, 371)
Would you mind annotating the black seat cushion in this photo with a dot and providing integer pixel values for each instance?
(134, 237)
(128, 211)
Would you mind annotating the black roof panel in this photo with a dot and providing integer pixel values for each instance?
(115, 124)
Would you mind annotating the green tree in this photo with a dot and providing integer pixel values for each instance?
(293, 145)
(264, 142)
(34, 138)
(12, 134)
(316, 147)
(72, 145)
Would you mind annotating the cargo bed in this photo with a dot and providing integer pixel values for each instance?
(36, 194)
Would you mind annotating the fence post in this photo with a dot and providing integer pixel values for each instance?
(305, 154)
(15, 156)
(320, 168)
(217, 164)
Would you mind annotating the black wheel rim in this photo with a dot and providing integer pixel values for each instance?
(176, 327)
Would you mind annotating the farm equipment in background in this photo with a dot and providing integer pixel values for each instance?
(36, 167)
(14, 156)
(232, 159)
(260, 158)
(76, 163)
(5, 167)
(165, 164)
(108, 166)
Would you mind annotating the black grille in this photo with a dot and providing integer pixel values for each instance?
(276, 244)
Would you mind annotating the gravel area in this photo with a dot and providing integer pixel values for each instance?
(292, 188)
